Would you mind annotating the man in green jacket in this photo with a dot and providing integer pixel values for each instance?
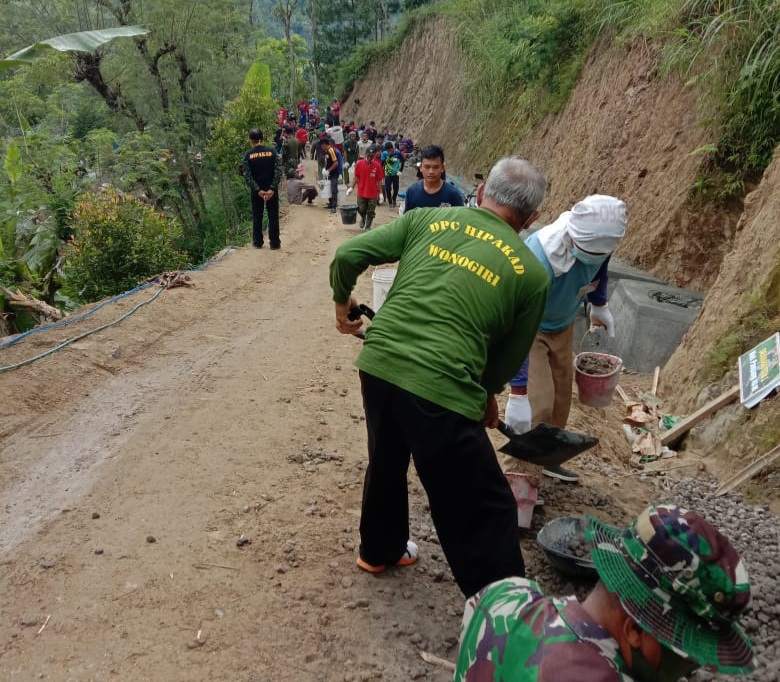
(457, 322)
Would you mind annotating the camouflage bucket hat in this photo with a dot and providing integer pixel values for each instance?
(681, 581)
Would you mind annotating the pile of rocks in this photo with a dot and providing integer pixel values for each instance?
(755, 533)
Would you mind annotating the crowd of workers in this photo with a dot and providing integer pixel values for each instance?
(472, 308)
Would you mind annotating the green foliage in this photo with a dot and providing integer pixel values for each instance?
(760, 317)
(229, 133)
(522, 58)
(352, 66)
(732, 49)
(258, 78)
(118, 242)
(275, 54)
(12, 163)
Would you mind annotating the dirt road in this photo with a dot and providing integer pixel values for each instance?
(134, 460)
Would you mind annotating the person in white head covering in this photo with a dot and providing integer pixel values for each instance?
(575, 249)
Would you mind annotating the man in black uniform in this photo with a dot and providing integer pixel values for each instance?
(262, 172)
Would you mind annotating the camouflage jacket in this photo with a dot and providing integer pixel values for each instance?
(513, 633)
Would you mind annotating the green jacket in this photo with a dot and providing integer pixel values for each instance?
(462, 312)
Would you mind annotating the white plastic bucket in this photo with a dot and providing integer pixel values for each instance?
(325, 192)
(337, 134)
(383, 280)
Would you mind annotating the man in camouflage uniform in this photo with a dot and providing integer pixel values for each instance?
(670, 592)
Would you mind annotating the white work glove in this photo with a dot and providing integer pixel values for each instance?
(325, 174)
(349, 191)
(600, 316)
(518, 413)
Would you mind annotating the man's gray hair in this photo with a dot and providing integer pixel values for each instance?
(515, 182)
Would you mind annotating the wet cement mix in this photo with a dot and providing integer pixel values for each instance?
(591, 363)
(181, 494)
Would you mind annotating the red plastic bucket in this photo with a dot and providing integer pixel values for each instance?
(595, 390)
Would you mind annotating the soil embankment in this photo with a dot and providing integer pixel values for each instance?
(626, 130)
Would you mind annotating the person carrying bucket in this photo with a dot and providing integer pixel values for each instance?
(575, 250)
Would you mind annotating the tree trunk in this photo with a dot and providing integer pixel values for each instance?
(284, 10)
(315, 58)
(292, 68)
(87, 68)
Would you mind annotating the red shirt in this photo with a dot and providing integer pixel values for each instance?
(368, 176)
(302, 135)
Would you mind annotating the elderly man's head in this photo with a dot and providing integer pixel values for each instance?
(514, 189)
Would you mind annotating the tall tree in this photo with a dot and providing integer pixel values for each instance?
(312, 11)
(284, 11)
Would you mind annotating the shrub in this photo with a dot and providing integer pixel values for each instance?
(118, 241)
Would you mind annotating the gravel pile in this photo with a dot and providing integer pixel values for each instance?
(755, 533)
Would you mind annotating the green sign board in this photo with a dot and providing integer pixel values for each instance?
(759, 371)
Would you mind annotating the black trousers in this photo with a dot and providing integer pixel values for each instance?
(333, 179)
(391, 188)
(471, 504)
(258, 207)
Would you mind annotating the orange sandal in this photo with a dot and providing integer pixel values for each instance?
(408, 558)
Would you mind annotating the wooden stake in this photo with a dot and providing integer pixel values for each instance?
(658, 470)
(435, 660)
(749, 471)
(656, 376)
(45, 623)
(702, 413)
(205, 566)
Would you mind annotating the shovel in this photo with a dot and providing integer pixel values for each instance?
(546, 445)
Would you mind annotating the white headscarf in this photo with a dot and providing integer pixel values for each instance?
(597, 223)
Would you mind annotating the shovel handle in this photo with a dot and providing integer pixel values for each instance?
(356, 311)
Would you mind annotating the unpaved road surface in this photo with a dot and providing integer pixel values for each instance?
(132, 461)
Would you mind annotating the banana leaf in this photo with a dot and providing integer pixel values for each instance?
(84, 41)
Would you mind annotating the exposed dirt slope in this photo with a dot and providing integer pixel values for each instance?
(625, 131)
(749, 277)
(419, 91)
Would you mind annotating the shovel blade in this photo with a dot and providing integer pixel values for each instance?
(545, 444)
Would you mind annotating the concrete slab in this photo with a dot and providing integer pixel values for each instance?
(650, 321)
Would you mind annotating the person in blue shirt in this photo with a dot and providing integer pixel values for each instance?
(575, 250)
(433, 191)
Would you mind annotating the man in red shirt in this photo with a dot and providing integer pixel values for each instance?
(303, 138)
(368, 177)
